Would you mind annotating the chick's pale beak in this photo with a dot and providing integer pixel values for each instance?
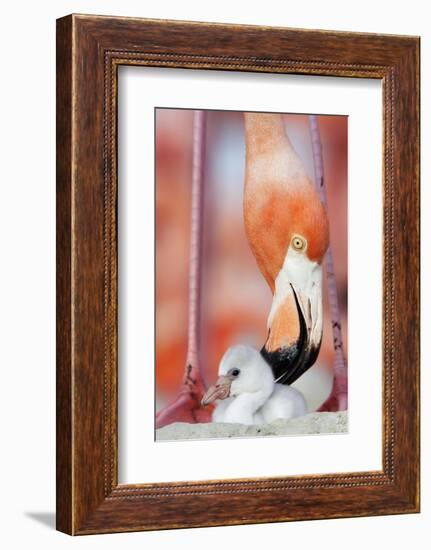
(220, 390)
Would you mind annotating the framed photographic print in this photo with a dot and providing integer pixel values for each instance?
(237, 274)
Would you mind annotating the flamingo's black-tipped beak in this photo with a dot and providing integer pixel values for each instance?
(290, 362)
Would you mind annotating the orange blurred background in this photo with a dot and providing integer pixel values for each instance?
(235, 298)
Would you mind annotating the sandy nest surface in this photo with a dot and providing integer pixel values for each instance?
(314, 423)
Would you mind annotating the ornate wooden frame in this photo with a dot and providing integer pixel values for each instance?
(89, 51)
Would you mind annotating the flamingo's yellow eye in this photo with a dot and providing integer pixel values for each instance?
(299, 243)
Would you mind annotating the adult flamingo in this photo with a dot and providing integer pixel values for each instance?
(288, 231)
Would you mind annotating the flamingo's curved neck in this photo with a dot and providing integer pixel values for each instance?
(263, 133)
(270, 156)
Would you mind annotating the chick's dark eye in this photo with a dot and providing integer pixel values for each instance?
(235, 372)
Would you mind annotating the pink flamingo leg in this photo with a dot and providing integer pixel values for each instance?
(187, 406)
(337, 400)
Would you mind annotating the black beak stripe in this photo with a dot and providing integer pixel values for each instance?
(289, 363)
